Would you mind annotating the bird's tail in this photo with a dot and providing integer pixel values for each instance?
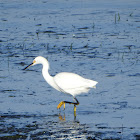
(94, 86)
(93, 83)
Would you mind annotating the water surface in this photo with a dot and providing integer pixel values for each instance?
(98, 40)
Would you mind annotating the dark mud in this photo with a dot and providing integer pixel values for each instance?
(98, 40)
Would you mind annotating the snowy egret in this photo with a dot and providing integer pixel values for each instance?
(69, 83)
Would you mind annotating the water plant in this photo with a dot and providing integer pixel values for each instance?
(131, 14)
(86, 45)
(117, 17)
(71, 46)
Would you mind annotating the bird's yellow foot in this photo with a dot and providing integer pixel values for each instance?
(60, 104)
(74, 108)
(75, 111)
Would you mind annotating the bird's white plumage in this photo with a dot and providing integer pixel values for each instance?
(66, 82)
(73, 84)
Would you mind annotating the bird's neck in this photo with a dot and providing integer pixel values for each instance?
(48, 77)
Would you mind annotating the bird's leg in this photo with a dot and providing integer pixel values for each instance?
(63, 103)
(77, 103)
(60, 104)
(74, 103)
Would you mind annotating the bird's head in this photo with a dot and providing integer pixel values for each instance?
(37, 60)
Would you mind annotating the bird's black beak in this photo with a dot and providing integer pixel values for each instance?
(28, 66)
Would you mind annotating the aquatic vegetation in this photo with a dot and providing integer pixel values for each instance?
(131, 14)
(117, 18)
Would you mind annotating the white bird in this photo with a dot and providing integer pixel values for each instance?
(69, 83)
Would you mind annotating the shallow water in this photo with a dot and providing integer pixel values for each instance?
(98, 40)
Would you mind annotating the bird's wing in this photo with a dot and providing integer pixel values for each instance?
(72, 83)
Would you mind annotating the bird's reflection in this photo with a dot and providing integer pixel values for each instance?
(62, 117)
